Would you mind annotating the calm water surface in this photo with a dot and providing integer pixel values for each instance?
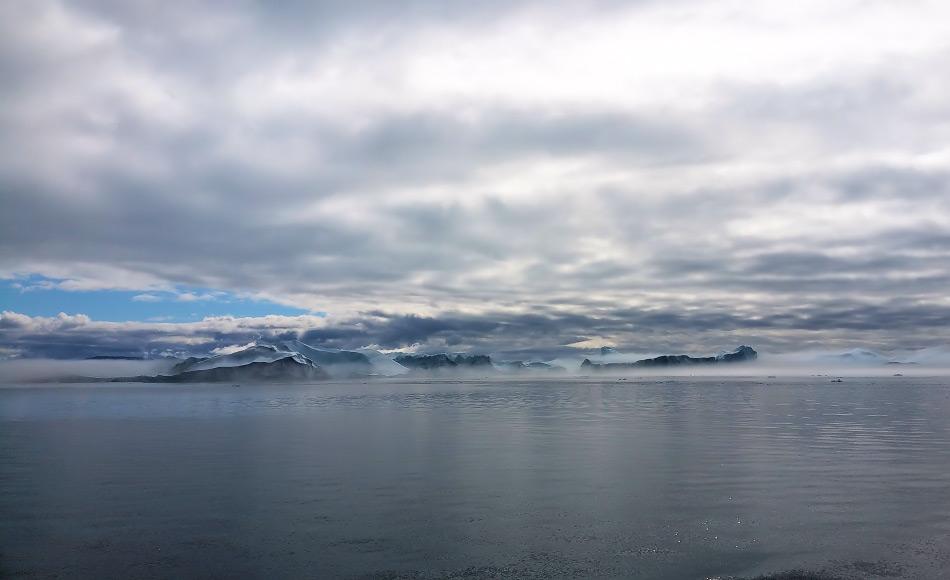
(678, 479)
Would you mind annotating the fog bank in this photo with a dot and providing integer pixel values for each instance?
(52, 370)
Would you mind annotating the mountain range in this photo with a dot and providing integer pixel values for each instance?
(295, 361)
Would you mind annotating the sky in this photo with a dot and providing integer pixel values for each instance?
(520, 177)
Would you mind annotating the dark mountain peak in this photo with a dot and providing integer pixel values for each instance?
(425, 361)
(472, 360)
(443, 361)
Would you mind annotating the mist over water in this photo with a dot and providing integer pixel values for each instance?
(51, 370)
(581, 477)
(924, 363)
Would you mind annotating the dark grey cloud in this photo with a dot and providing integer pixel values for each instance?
(831, 324)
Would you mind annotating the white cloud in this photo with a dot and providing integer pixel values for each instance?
(231, 348)
(193, 297)
(146, 298)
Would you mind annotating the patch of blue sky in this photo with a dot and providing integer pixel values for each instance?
(40, 296)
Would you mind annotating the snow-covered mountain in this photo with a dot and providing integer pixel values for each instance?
(338, 363)
(286, 369)
(742, 354)
(261, 362)
(332, 362)
(347, 363)
(260, 353)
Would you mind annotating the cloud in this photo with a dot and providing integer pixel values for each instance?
(193, 297)
(547, 333)
(701, 170)
(78, 336)
(229, 349)
(146, 298)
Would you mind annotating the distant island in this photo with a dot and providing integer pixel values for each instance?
(295, 361)
(740, 355)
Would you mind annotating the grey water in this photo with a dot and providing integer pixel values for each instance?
(653, 478)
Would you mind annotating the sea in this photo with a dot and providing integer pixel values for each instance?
(651, 477)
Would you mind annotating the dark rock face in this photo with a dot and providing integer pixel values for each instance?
(741, 354)
(440, 362)
(472, 360)
(672, 360)
(425, 361)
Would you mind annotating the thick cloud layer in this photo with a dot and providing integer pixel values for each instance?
(520, 175)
